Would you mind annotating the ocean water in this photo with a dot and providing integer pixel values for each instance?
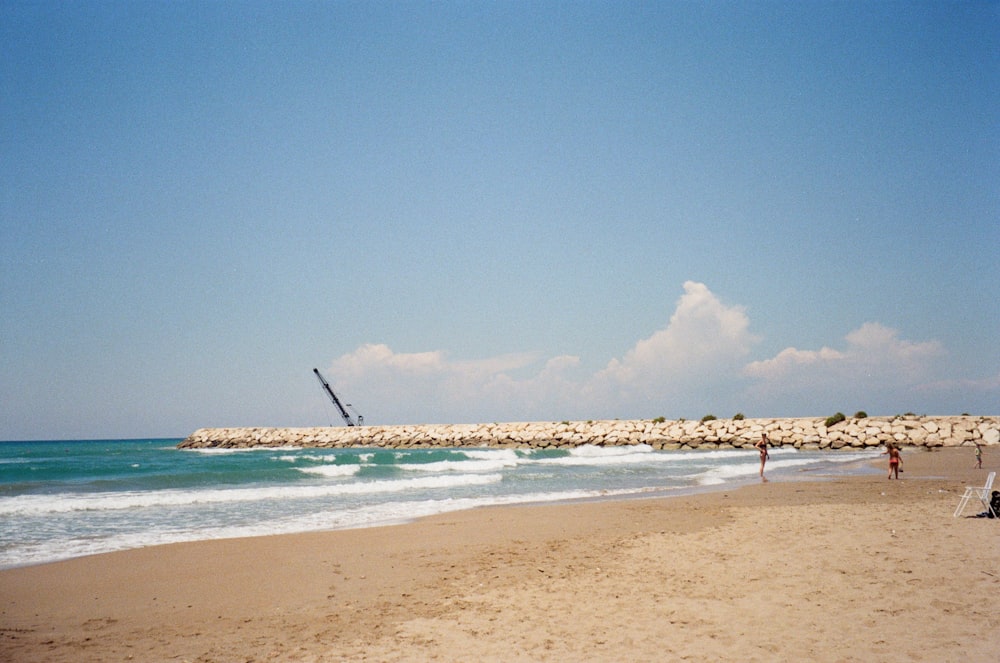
(66, 499)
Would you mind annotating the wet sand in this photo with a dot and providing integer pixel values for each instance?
(849, 569)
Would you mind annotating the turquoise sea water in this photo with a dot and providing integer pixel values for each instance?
(65, 499)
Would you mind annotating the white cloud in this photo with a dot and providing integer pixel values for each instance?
(981, 385)
(872, 350)
(703, 336)
(431, 387)
(424, 386)
(703, 344)
(876, 370)
(689, 368)
(379, 357)
(694, 365)
(792, 359)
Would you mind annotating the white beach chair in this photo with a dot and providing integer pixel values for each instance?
(982, 494)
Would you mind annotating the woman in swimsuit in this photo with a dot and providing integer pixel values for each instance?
(895, 460)
(762, 447)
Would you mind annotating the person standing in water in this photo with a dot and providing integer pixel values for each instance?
(762, 447)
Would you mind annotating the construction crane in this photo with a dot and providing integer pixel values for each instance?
(336, 401)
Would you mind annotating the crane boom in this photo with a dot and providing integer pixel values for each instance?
(333, 397)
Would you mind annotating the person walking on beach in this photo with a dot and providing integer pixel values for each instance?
(762, 447)
(895, 459)
(979, 456)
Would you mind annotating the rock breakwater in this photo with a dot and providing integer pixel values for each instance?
(801, 433)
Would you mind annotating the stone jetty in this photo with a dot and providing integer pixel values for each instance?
(801, 433)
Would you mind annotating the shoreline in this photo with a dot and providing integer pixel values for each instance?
(641, 579)
(740, 469)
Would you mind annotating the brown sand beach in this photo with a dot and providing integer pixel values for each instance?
(849, 569)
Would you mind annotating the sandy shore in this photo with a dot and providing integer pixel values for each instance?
(857, 569)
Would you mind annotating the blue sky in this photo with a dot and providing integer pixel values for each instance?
(509, 211)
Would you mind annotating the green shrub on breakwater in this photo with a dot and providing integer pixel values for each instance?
(835, 419)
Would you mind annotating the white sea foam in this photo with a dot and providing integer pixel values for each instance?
(335, 491)
(324, 458)
(331, 470)
(227, 450)
(491, 454)
(386, 513)
(780, 459)
(493, 465)
(42, 504)
(219, 451)
(591, 450)
(644, 454)
(720, 475)
(609, 456)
